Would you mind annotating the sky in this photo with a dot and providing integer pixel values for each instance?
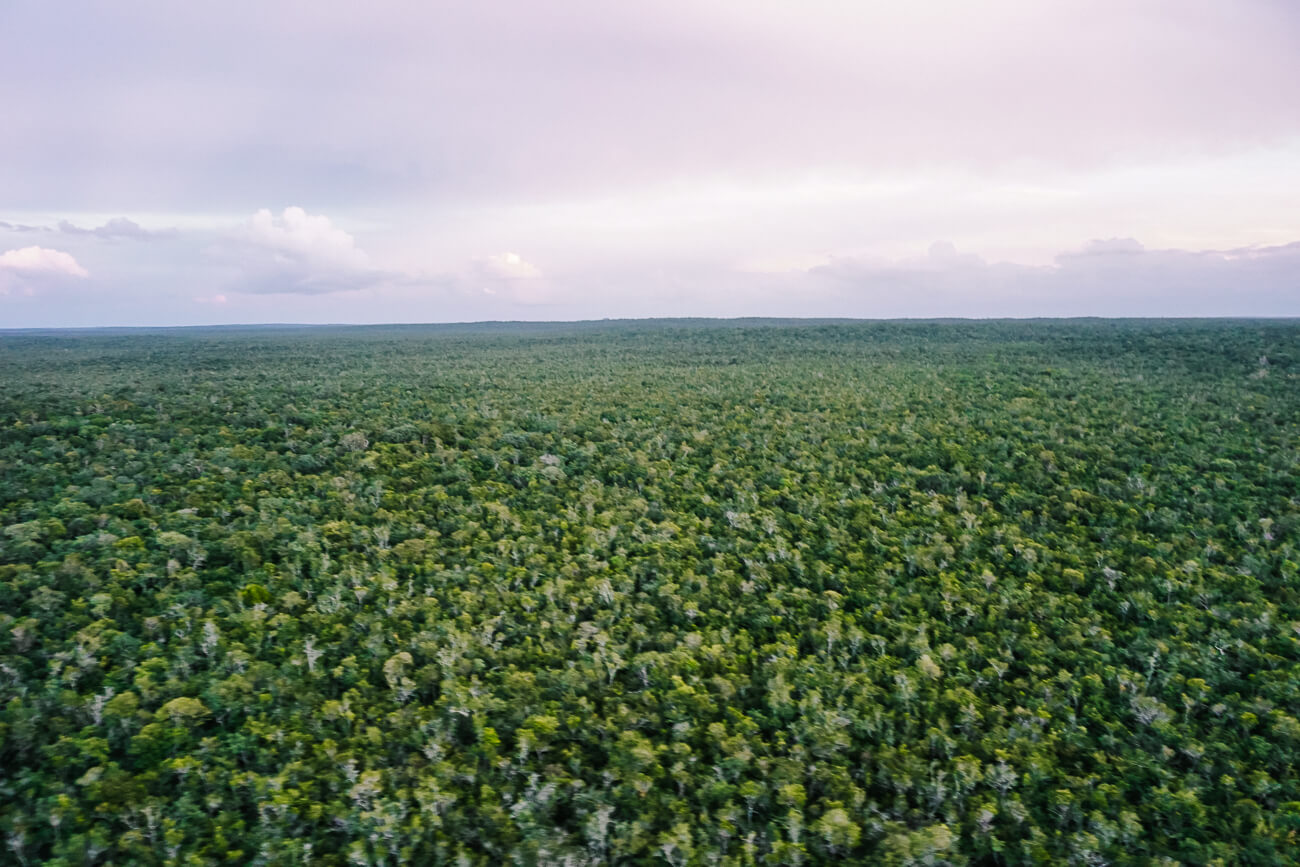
(169, 163)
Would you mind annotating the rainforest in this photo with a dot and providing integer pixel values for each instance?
(652, 592)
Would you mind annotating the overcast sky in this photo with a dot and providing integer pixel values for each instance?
(182, 163)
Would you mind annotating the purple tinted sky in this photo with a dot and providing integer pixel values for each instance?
(167, 163)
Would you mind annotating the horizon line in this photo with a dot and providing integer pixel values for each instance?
(648, 319)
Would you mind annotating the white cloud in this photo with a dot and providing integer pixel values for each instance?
(22, 270)
(510, 277)
(295, 234)
(507, 266)
(298, 253)
(41, 260)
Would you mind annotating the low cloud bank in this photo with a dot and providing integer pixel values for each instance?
(1105, 277)
(115, 229)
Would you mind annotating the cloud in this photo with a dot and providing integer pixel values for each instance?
(437, 104)
(506, 266)
(635, 151)
(1106, 247)
(41, 260)
(297, 253)
(23, 269)
(116, 228)
(304, 237)
(512, 278)
(1104, 277)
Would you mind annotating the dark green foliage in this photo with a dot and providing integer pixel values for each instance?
(641, 593)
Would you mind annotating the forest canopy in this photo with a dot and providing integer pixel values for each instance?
(733, 593)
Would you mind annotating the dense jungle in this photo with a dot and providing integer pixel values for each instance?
(652, 592)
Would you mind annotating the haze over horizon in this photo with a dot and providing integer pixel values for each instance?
(316, 163)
